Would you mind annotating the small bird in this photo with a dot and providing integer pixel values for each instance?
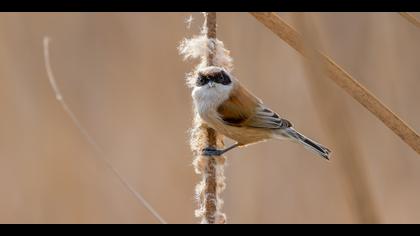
(229, 108)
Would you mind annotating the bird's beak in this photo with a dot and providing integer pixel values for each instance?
(211, 84)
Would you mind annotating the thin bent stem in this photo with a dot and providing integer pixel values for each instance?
(138, 196)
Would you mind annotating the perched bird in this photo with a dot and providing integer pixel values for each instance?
(228, 107)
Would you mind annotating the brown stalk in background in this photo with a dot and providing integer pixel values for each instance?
(284, 31)
(327, 103)
(412, 19)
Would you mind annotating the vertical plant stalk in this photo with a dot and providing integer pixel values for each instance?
(211, 168)
(352, 166)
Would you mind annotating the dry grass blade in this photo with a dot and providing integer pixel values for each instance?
(343, 79)
(89, 138)
(412, 19)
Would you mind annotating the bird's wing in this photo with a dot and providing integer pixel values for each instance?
(266, 118)
(243, 109)
(239, 107)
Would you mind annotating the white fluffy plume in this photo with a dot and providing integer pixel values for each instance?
(199, 47)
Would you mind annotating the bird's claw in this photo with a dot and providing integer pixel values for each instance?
(211, 152)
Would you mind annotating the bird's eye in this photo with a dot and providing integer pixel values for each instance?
(224, 78)
(201, 80)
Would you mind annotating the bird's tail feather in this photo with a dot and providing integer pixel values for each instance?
(307, 143)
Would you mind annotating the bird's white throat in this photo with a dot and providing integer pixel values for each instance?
(207, 99)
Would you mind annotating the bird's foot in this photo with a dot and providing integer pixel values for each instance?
(210, 151)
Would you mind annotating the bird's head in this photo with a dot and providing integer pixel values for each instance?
(212, 85)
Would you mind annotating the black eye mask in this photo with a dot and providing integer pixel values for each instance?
(220, 78)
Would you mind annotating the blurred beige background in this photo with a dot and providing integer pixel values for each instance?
(122, 75)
